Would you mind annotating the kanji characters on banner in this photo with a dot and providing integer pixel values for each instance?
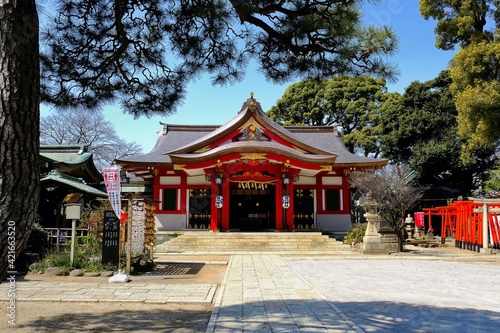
(138, 225)
(112, 181)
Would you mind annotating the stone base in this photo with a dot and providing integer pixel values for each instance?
(486, 251)
(381, 244)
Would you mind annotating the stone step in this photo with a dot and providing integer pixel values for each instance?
(253, 243)
(239, 235)
(222, 240)
(242, 238)
(259, 241)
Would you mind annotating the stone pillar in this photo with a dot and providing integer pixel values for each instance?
(486, 237)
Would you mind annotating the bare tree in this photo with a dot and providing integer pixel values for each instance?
(83, 126)
(395, 192)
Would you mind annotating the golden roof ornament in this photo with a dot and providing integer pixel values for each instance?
(251, 103)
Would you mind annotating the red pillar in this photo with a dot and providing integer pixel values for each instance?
(279, 207)
(289, 210)
(156, 194)
(226, 194)
(214, 210)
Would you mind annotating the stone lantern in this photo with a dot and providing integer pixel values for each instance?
(371, 215)
(409, 226)
(374, 242)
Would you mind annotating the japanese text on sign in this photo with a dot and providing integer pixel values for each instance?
(138, 225)
(112, 181)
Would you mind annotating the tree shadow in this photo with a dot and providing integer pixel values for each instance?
(175, 268)
(405, 317)
(147, 318)
(269, 316)
(322, 316)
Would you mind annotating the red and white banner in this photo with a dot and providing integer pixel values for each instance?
(112, 181)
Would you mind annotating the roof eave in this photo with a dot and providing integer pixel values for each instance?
(217, 153)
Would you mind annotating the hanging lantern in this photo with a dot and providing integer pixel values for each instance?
(285, 201)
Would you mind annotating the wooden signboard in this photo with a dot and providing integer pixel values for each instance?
(111, 239)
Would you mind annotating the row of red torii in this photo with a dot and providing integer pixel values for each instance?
(474, 224)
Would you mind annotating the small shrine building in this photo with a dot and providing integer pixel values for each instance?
(67, 175)
(250, 174)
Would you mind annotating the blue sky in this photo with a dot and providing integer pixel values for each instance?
(417, 58)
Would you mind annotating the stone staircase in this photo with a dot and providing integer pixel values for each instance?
(194, 242)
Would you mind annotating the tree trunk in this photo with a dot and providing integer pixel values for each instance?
(19, 127)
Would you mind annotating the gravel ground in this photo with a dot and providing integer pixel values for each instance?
(408, 295)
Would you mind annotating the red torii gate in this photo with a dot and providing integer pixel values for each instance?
(475, 224)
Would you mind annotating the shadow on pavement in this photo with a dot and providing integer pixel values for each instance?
(175, 268)
(160, 318)
(404, 317)
(290, 316)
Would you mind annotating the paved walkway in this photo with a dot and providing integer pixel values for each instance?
(262, 293)
(110, 292)
(432, 291)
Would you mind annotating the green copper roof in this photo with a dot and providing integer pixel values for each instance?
(74, 160)
(72, 182)
(69, 154)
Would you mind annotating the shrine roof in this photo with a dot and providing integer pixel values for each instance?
(68, 154)
(324, 142)
(251, 109)
(73, 160)
(172, 137)
(74, 183)
(328, 138)
(261, 146)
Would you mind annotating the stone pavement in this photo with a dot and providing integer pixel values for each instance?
(262, 293)
(431, 291)
(428, 290)
(110, 292)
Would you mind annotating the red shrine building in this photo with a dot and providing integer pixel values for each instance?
(250, 174)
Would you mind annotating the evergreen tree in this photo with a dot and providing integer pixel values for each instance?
(475, 70)
(462, 22)
(142, 54)
(352, 103)
(19, 128)
(419, 128)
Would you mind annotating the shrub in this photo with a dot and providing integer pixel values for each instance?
(62, 259)
(88, 249)
(87, 256)
(38, 242)
(355, 235)
(93, 217)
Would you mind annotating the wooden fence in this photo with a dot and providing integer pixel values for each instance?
(61, 237)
